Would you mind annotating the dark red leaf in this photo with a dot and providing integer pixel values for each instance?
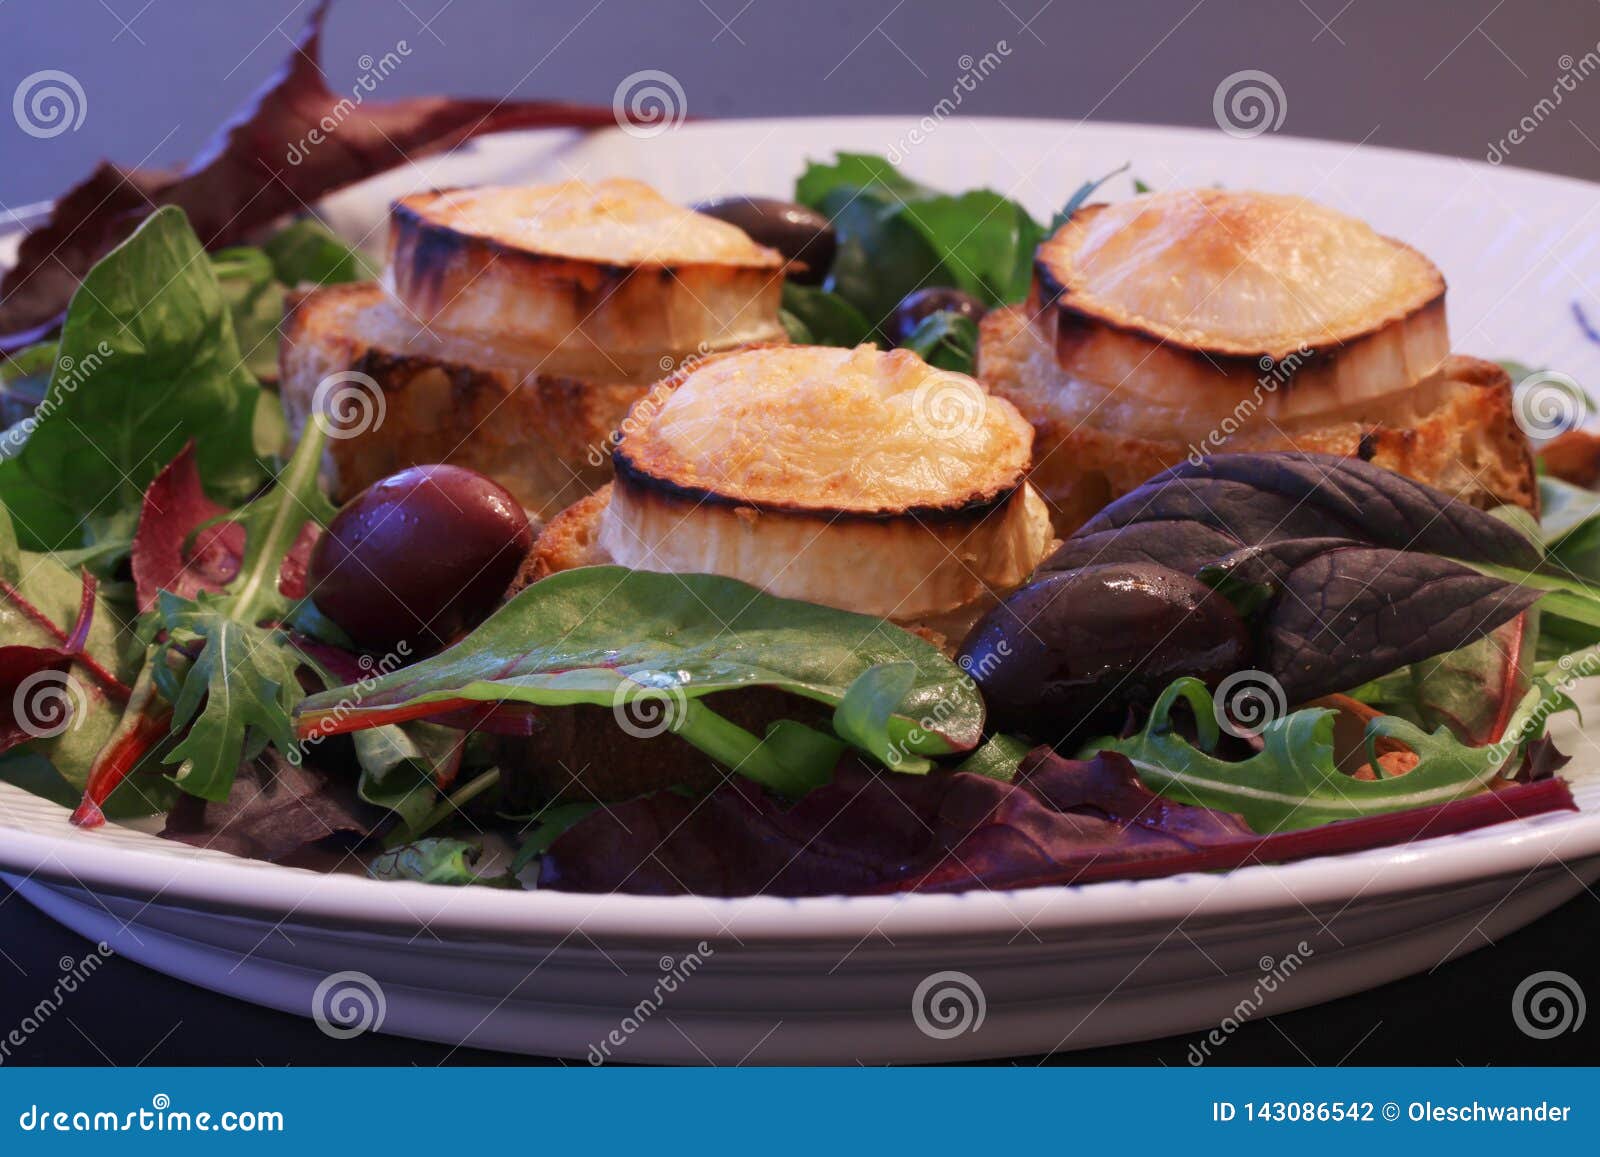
(1065, 821)
(37, 699)
(261, 165)
(273, 810)
(168, 554)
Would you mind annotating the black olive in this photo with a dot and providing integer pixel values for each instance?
(1064, 657)
(920, 304)
(799, 233)
(421, 557)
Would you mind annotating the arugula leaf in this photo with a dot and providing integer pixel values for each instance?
(607, 636)
(148, 360)
(438, 860)
(1292, 782)
(241, 684)
(1083, 192)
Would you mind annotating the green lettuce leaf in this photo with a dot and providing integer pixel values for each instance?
(148, 360)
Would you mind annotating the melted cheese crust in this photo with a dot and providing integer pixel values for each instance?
(830, 430)
(1236, 272)
(613, 222)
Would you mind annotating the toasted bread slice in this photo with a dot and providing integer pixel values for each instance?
(542, 432)
(610, 269)
(1454, 429)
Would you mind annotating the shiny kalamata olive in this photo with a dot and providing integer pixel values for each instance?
(921, 304)
(1064, 657)
(800, 234)
(421, 556)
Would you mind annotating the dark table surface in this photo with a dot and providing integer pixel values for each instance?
(1458, 1014)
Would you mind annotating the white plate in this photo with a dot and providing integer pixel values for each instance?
(772, 980)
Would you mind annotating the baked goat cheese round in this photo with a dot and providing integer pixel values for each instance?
(854, 478)
(1197, 321)
(611, 266)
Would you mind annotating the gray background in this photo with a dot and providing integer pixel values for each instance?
(1443, 76)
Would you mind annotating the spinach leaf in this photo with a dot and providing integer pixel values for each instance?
(945, 339)
(613, 637)
(307, 251)
(1292, 781)
(896, 235)
(255, 298)
(148, 360)
(815, 316)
